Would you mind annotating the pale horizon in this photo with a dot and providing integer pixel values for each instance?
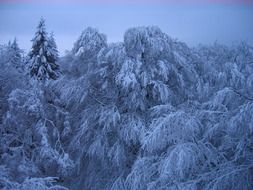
(194, 23)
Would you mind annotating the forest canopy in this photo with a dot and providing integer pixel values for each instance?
(148, 113)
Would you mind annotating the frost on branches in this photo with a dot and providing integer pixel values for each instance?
(43, 55)
(143, 114)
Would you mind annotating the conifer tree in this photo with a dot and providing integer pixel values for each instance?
(42, 61)
(15, 54)
(53, 51)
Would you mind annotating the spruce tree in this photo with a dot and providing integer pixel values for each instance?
(15, 54)
(42, 61)
(53, 53)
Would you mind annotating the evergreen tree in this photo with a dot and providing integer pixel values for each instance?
(52, 52)
(42, 57)
(15, 54)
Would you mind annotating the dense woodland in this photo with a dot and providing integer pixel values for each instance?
(148, 113)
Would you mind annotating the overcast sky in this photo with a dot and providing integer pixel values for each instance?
(191, 21)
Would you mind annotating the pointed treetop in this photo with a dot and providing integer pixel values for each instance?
(14, 44)
(9, 43)
(42, 26)
(44, 54)
(42, 23)
(52, 40)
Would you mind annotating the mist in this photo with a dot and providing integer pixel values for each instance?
(193, 23)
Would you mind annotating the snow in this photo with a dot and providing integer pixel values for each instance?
(147, 113)
(43, 53)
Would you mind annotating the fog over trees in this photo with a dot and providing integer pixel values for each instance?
(148, 113)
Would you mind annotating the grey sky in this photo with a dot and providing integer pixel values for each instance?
(191, 23)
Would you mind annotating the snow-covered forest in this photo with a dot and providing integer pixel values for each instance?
(148, 113)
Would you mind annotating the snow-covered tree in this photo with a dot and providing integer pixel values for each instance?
(85, 51)
(12, 74)
(89, 43)
(146, 113)
(43, 56)
(30, 140)
(12, 55)
(16, 54)
(53, 54)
